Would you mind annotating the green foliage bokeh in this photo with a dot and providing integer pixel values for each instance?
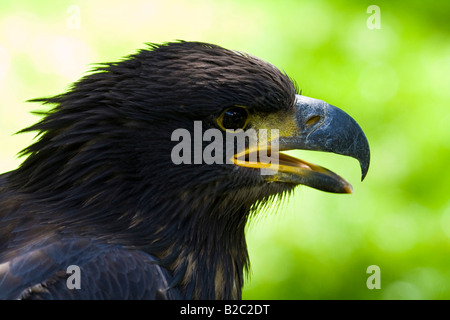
(393, 80)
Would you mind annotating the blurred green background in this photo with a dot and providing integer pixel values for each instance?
(394, 81)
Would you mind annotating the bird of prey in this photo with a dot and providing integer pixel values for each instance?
(108, 205)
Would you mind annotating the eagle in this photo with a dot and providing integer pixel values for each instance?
(127, 191)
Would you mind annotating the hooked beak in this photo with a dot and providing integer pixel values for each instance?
(320, 127)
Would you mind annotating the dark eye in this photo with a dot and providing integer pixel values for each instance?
(234, 118)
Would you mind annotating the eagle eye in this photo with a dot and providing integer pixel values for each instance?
(234, 118)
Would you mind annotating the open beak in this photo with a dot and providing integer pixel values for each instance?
(320, 127)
